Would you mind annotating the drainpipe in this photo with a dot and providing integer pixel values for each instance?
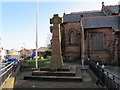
(83, 45)
(88, 44)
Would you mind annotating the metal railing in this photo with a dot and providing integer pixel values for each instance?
(5, 72)
(106, 78)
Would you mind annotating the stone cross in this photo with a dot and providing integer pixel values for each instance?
(56, 59)
(56, 20)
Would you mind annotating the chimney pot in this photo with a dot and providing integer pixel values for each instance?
(102, 3)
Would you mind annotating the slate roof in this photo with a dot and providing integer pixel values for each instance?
(113, 9)
(96, 19)
(76, 17)
(100, 22)
(43, 49)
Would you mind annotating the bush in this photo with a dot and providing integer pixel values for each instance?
(32, 63)
(48, 53)
(43, 62)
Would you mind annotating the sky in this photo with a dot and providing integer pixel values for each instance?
(18, 19)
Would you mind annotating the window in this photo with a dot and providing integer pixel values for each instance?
(72, 38)
(97, 41)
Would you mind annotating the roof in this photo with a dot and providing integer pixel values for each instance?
(96, 19)
(75, 17)
(100, 22)
(31, 50)
(24, 50)
(113, 9)
(43, 49)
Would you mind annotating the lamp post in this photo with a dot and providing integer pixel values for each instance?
(36, 33)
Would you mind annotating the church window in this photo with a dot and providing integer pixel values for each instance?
(97, 41)
(72, 38)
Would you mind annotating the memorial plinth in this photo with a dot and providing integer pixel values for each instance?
(57, 70)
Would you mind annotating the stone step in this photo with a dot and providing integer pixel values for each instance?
(56, 73)
(58, 69)
(53, 78)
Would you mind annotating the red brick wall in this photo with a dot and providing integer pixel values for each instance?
(24, 52)
(12, 52)
(119, 49)
(116, 49)
(72, 27)
(75, 50)
(104, 54)
(72, 50)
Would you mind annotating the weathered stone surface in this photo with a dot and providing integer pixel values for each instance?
(56, 60)
(54, 78)
(57, 73)
(57, 69)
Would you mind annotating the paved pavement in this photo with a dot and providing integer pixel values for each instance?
(89, 80)
(114, 69)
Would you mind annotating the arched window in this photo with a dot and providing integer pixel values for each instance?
(72, 38)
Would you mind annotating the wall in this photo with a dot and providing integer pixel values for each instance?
(24, 52)
(12, 52)
(72, 52)
(101, 55)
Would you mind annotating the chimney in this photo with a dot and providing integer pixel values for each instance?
(102, 6)
(119, 8)
(102, 3)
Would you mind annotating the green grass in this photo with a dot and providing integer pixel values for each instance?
(41, 62)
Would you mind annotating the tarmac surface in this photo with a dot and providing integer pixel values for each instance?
(89, 80)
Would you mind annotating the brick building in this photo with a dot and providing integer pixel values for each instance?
(25, 52)
(98, 29)
(117, 47)
(12, 52)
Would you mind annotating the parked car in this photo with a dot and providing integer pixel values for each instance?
(14, 56)
(10, 60)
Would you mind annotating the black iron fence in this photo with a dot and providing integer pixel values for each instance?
(105, 77)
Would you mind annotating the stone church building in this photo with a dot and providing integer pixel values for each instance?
(93, 35)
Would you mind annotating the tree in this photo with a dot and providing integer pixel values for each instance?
(48, 41)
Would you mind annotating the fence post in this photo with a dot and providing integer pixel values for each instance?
(113, 77)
